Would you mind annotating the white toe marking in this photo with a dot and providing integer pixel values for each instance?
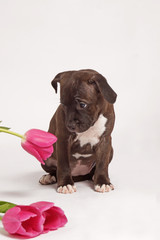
(47, 179)
(112, 187)
(104, 188)
(97, 188)
(64, 189)
(67, 189)
(59, 189)
(70, 188)
(107, 188)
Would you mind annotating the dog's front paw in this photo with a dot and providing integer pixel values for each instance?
(67, 189)
(104, 188)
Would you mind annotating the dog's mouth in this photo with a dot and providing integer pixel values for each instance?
(78, 128)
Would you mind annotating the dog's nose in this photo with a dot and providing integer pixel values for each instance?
(77, 121)
(71, 126)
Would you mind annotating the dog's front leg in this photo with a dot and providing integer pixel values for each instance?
(64, 179)
(104, 154)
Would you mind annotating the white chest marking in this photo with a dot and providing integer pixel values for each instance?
(93, 134)
(77, 155)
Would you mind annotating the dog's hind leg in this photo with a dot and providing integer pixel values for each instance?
(47, 179)
(51, 169)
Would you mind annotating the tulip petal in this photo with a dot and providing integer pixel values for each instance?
(25, 215)
(24, 220)
(10, 220)
(55, 219)
(40, 138)
(31, 150)
(33, 225)
(60, 212)
(36, 220)
(44, 152)
(43, 206)
(54, 216)
(29, 232)
(52, 221)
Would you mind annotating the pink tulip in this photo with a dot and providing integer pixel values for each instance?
(36, 142)
(54, 216)
(23, 220)
(33, 220)
(39, 143)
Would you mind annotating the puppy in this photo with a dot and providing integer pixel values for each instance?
(83, 124)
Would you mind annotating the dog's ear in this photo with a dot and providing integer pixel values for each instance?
(56, 80)
(104, 88)
(59, 77)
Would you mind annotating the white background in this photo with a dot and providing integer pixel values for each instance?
(121, 40)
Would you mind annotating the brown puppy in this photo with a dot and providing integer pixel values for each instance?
(83, 124)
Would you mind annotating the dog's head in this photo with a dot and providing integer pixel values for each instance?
(83, 95)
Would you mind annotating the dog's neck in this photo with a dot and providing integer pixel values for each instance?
(93, 134)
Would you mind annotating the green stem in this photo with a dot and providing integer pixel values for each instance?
(0, 218)
(12, 133)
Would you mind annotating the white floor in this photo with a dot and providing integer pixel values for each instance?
(129, 212)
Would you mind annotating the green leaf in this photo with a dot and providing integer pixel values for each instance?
(6, 128)
(4, 206)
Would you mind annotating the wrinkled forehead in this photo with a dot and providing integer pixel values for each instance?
(77, 87)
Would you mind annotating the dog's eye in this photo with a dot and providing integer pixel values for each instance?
(82, 105)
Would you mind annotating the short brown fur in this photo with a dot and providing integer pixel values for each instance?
(92, 88)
